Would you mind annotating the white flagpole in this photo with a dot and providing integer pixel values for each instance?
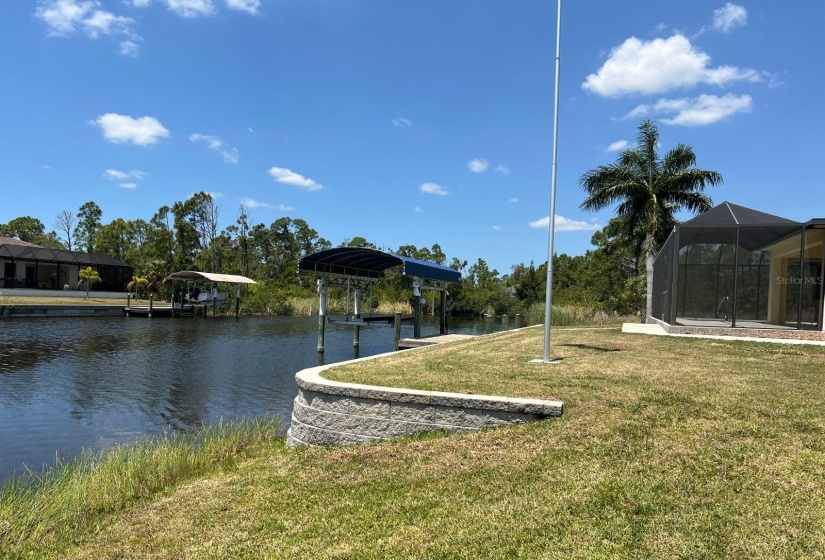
(548, 302)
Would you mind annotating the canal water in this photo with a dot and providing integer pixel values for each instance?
(69, 384)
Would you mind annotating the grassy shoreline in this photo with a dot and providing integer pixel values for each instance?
(669, 447)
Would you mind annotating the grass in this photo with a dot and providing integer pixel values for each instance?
(337, 305)
(68, 498)
(577, 315)
(297, 305)
(58, 300)
(668, 448)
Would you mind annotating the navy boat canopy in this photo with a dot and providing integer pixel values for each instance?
(359, 262)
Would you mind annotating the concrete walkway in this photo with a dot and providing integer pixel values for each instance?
(656, 330)
(407, 343)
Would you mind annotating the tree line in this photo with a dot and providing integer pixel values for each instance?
(186, 236)
(615, 276)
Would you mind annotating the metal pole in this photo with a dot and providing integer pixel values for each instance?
(396, 324)
(322, 312)
(820, 279)
(801, 281)
(735, 280)
(238, 302)
(346, 313)
(356, 337)
(442, 327)
(151, 302)
(417, 309)
(548, 302)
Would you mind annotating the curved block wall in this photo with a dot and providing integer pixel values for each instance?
(334, 413)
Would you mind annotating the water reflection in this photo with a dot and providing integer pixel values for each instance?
(73, 383)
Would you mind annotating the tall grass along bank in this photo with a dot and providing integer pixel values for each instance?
(68, 498)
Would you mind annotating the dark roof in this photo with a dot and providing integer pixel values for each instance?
(371, 263)
(727, 214)
(11, 248)
(721, 223)
(12, 241)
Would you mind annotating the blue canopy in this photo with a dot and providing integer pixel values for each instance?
(370, 263)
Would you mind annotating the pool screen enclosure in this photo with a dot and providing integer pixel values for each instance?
(737, 267)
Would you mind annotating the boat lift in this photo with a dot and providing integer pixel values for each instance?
(359, 266)
(213, 297)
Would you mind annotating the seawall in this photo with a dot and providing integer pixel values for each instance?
(329, 412)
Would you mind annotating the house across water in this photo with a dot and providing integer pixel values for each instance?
(26, 265)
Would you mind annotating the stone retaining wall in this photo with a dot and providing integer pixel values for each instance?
(334, 413)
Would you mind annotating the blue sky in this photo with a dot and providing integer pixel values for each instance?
(403, 122)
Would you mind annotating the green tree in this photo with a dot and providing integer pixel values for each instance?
(31, 230)
(115, 239)
(88, 226)
(160, 242)
(89, 277)
(648, 191)
(24, 228)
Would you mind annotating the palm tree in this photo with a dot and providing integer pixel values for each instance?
(648, 191)
(137, 284)
(89, 277)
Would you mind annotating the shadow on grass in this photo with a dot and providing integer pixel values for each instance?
(591, 347)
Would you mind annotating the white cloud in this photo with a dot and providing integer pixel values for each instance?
(47, 167)
(729, 17)
(140, 3)
(120, 129)
(117, 175)
(650, 67)
(418, 209)
(63, 17)
(564, 224)
(106, 23)
(433, 188)
(128, 185)
(230, 155)
(513, 200)
(66, 17)
(401, 121)
(129, 48)
(191, 8)
(214, 194)
(250, 129)
(289, 177)
(252, 203)
(496, 228)
(478, 165)
(699, 111)
(250, 6)
(504, 170)
(617, 146)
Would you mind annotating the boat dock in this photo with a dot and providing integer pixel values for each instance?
(407, 343)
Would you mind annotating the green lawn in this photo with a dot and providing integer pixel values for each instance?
(668, 448)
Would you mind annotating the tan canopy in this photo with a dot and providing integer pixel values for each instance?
(209, 276)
